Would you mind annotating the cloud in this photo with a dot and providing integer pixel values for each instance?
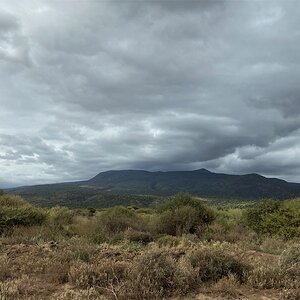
(157, 85)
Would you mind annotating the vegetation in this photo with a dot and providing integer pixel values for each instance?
(176, 249)
(273, 217)
(14, 211)
(183, 214)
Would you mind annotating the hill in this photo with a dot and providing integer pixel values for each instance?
(142, 188)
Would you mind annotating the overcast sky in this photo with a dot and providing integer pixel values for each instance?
(88, 86)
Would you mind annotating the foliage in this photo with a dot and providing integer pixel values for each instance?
(119, 218)
(213, 264)
(61, 215)
(139, 236)
(183, 214)
(14, 211)
(275, 218)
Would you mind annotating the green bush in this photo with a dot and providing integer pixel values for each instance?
(118, 219)
(255, 216)
(14, 211)
(183, 214)
(275, 218)
(60, 216)
(179, 221)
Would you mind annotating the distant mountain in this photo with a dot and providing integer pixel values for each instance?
(199, 182)
(141, 187)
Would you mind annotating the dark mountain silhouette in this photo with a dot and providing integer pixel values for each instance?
(198, 182)
(135, 184)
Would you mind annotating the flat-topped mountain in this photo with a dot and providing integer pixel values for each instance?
(143, 188)
(198, 182)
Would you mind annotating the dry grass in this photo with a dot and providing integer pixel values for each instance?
(19, 288)
(227, 287)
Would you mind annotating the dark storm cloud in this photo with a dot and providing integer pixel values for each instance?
(160, 85)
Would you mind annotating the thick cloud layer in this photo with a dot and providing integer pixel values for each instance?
(87, 86)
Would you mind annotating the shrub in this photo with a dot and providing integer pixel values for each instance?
(227, 287)
(12, 201)
(61, 216)
(89, 294)
(15, 211)
(286, 222)
(179, 221)
(267, 277)
(118, 219)
(290, 294)
(107, 276)
(290, 261)
(275, 218)
(139, 236)
(152, 276)
(183, 214)
(19, 288)
(168, 241)
(5, 270)
(255, 216)
(213, 264)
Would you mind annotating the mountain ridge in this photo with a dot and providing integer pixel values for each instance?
(141, 187)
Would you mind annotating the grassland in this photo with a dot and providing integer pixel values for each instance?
(182, 249)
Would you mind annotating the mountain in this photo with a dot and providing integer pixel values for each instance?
(139, 187)
(198, 182)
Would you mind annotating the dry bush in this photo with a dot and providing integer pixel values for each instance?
(118, 219)
(91, 229)
(212, 264)
(107, 277)
(60, 216)
(12, 201)
(268, 277)
(89, 294)
(81, 248)
(290, 294)
(37, 234)
(290, 258)
(138, 236)
(227, 287)
(273, 245)
(229, 227)
(168, 241)
(19, 288)
(40, 261)
(153, 276)
(5, 270)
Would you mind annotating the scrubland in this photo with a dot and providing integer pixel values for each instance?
(181, 249)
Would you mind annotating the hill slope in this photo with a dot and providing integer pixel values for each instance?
(199, 182)
(131, 186)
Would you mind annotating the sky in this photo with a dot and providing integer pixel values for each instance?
(89, 86)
